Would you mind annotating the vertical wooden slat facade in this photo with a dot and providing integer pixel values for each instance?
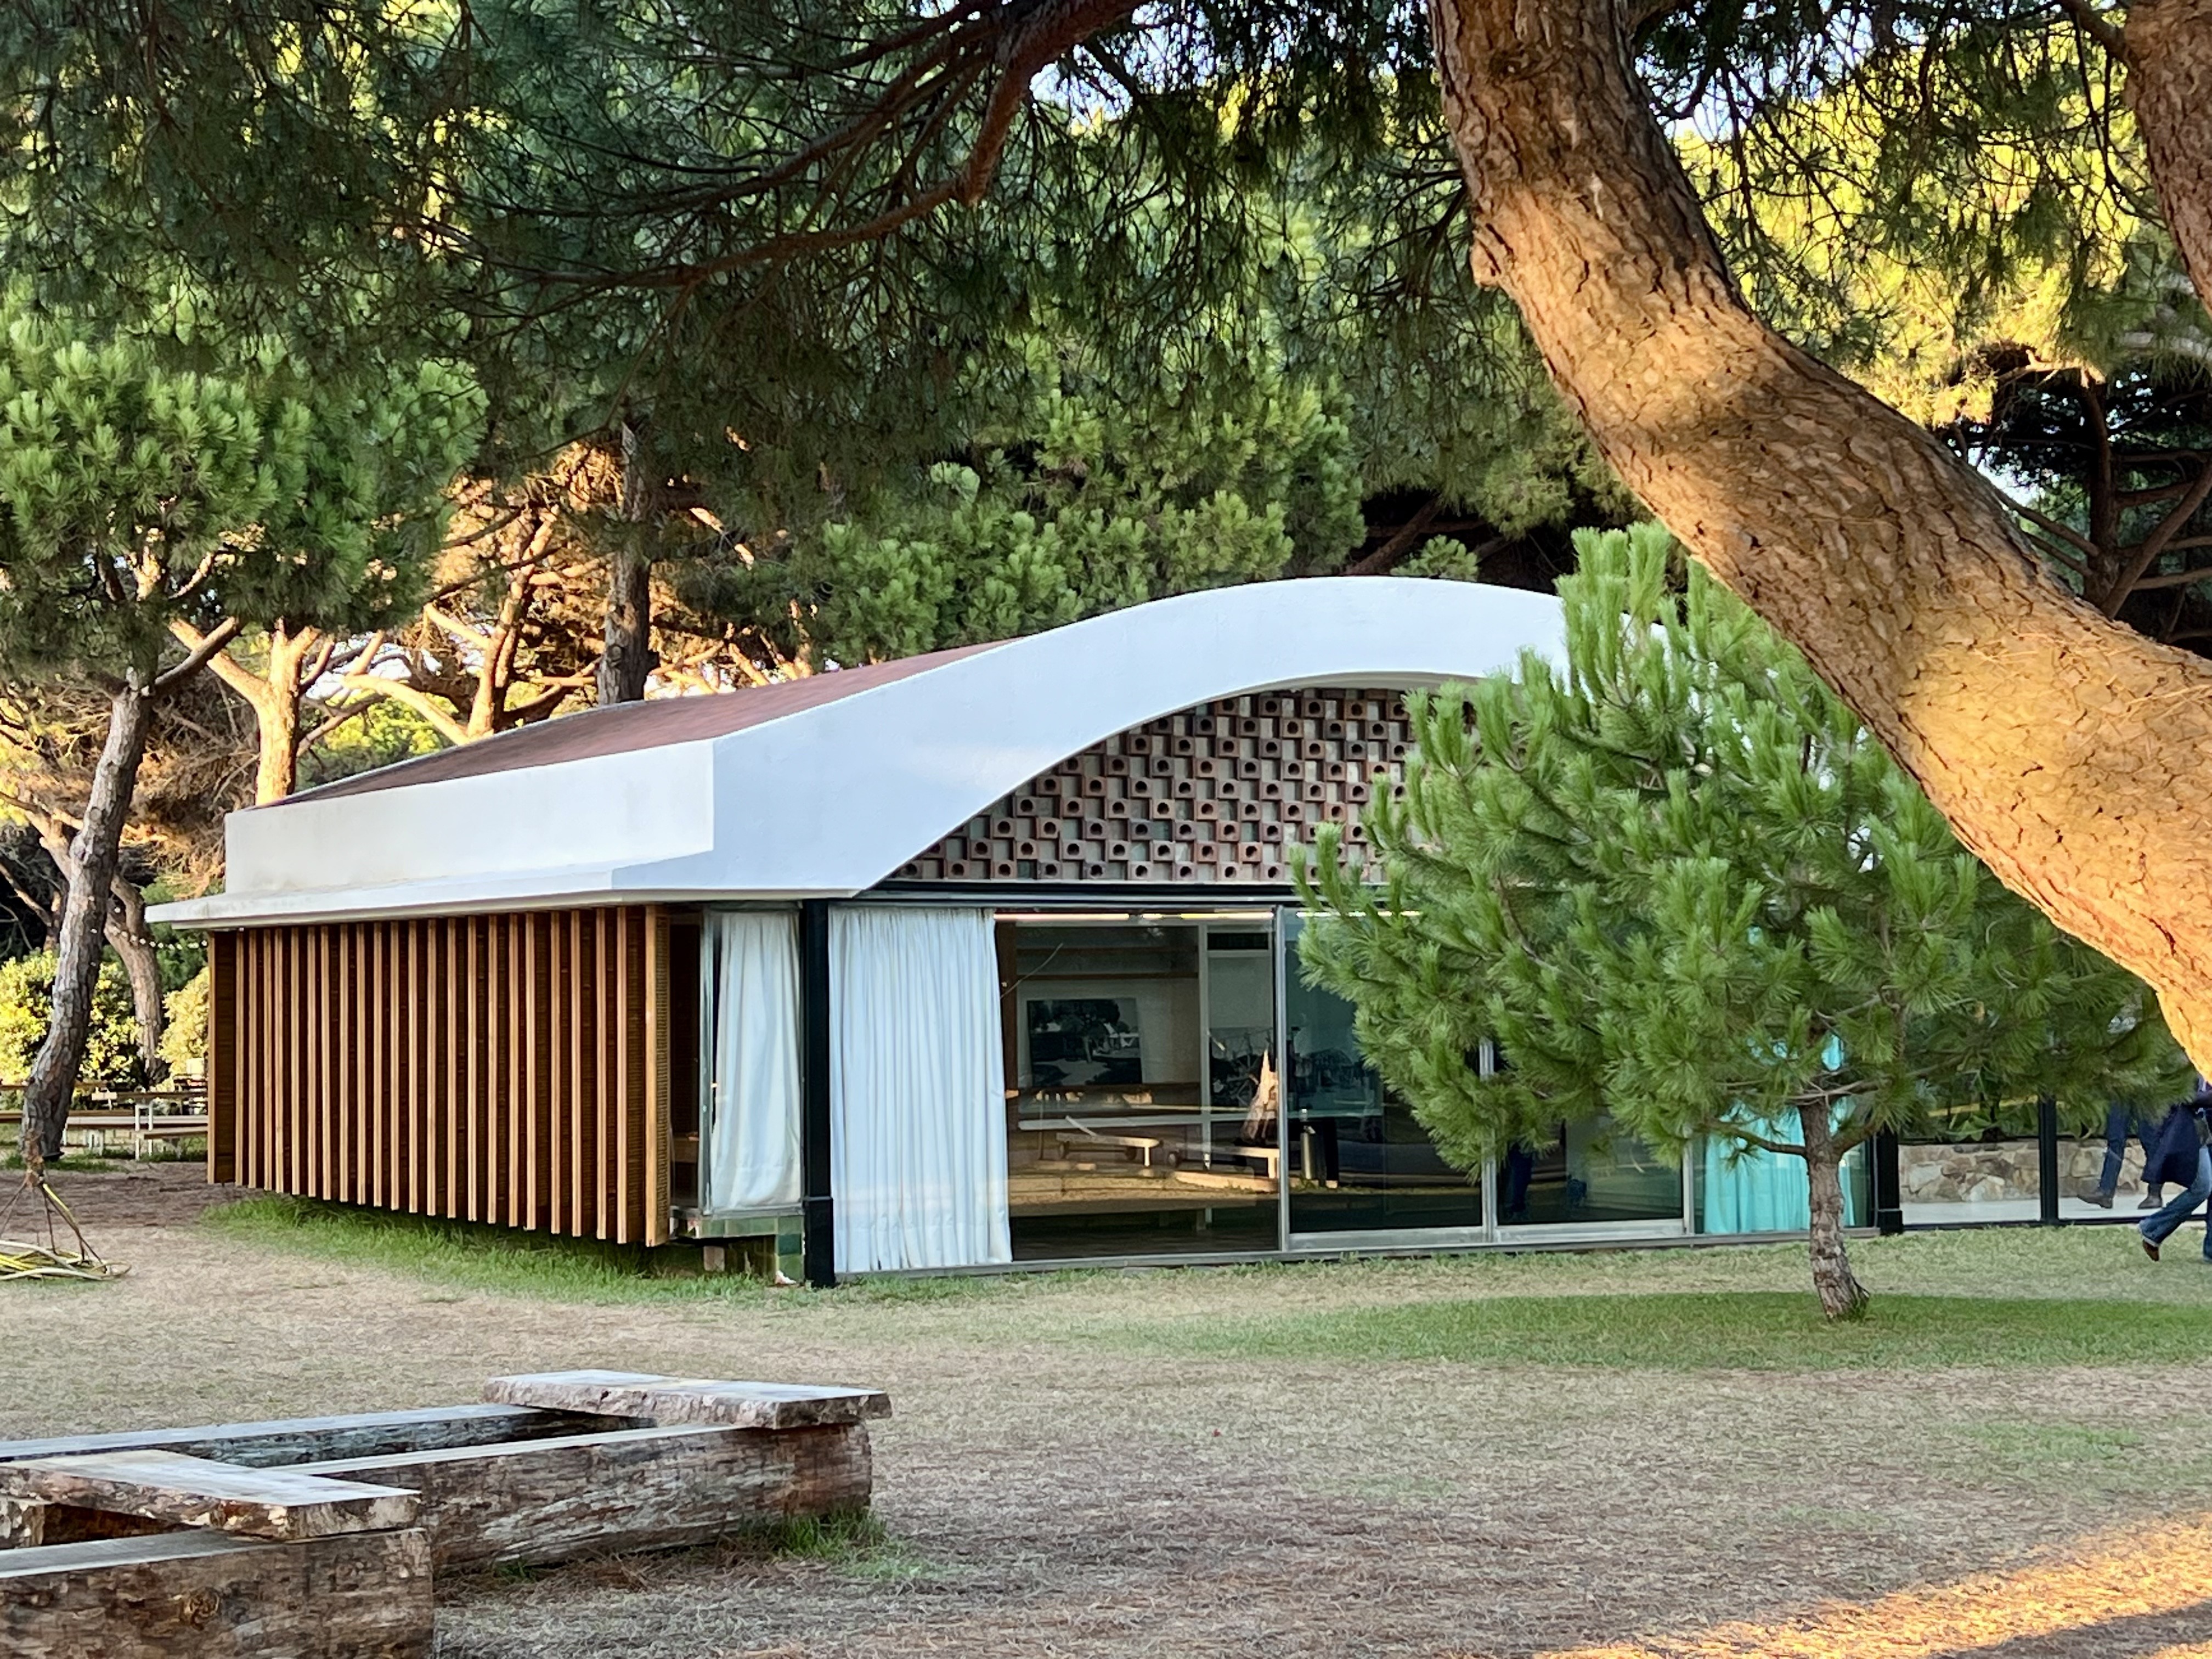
(509, 1068)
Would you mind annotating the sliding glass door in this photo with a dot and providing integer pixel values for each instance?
(1358, 1161)
(1142, 1113)
(1361, 1169)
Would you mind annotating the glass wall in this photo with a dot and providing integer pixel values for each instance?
(1141, 1116)
(1587, 1174)
(1359, 1161)
(1977, 1166)
(2100, 1171)
(1175, 1087)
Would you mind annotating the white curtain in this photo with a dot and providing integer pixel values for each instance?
(749, 1020)
(917, 1088)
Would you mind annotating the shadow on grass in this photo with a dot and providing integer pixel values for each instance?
(854, 1544)
(1756, 1330)
(502, 1261)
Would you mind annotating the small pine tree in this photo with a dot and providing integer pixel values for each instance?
(1679, 882)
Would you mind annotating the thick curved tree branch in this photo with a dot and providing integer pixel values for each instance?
(2072, 754)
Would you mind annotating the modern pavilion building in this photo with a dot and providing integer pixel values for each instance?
(979, 958)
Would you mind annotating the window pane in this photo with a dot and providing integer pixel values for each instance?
(1128, 1105)
(1586, 1173)
(1359, 1160)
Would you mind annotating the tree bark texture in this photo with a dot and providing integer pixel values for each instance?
(132, 941)
(2073, 755)
(127, 934)
(94, 854)
(2167, 47)
(297, 659)
(627, 657)
(1841, 1295)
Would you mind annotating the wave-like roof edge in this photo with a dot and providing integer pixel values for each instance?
(810, 789)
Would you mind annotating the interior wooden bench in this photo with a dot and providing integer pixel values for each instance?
(1144, 1145)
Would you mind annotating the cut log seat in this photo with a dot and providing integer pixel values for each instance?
(200, 1595)
(667, 1400)
(311, 1439)
(193, 1491)
(542, 1501)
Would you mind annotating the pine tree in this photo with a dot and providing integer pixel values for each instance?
(1676, 881)
(134, 496)
(1071, 495)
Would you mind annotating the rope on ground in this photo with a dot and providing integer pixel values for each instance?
(54, 1259)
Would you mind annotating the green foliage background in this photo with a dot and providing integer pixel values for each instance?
(111, 1056)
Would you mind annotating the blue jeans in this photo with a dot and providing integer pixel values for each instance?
(2120, 1123)
(2160, 1227)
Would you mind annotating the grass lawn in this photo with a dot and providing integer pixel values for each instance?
(1623, 1453)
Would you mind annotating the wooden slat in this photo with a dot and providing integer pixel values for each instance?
(222, 1058)
(282, 1441)
(468, 1097)
(605, 1079)
(657, 1056)
(280, 1062)
(507, 1009)
(278, 1111)
(253, 1067)
(321, 1165)
(614, 1179)
(383, 1121)
(414, 1113)
(576, 1012)
(352, 1011)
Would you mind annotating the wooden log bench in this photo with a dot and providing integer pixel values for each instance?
(175, 1541)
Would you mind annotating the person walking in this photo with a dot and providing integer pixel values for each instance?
(2179, 1157)
(2122, 1124)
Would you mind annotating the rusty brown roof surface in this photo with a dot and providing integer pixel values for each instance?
(624, 726)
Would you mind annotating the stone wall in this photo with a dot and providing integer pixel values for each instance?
(1986, 1171)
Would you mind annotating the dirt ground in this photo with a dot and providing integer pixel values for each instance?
(1048, 1490)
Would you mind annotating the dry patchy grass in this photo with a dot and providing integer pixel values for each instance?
(1326, 1460)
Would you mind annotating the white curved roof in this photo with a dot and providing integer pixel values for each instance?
(823, 788)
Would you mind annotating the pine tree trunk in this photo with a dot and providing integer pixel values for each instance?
(94, 854)
(1841, 1295)
(133, 945)
(2072, 753)
(627, 657)
(276, 774)
(2167, 46)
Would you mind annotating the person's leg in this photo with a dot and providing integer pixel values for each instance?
(2147, 1133)
(2117, 1120)
(2156, 1229)
(1520, 1166)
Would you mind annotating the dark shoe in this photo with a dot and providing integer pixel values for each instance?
(2151, 1202)
(2096, 1195)
(2149, 1248)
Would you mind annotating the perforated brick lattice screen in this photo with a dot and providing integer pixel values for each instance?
(1215, 793)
